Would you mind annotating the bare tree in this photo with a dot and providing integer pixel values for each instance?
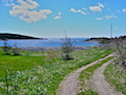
(6, 47)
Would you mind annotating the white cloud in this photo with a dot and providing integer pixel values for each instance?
(99, 18)
(59, 13)
(57, 17)
(101, 5)
(73, 10)
(108, 28)
(124, 10)
(108, 17)
(118, 11)
(84, 8)
(78, 11)
(12, 4)
(9, 5)
(97, 8)
(26, 11)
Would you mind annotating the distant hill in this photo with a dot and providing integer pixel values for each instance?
(14, 36)
(104, 40)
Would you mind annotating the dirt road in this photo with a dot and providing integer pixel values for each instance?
(69, 86)
(100, 85)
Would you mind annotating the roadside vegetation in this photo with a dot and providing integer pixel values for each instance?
(41, 72)
(116, 72)
(85, 78)
(116, 77)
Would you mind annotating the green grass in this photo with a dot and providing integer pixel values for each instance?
(89, 92)
(86, 75)
(41, 72)
(116, 77)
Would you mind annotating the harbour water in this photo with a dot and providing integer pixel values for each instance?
(50, 42)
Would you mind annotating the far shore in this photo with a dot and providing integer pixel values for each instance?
(92, 41)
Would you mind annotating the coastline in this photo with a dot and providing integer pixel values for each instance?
(93, 41)
(38, 49)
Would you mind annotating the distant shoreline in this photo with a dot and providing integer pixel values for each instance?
(92, 41)
(38, 49)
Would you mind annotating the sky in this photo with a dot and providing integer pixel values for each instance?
(56, 18)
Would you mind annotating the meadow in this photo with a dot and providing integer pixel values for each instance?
(41, 72)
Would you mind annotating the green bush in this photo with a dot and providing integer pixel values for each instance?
(67, 49)
(16, 50)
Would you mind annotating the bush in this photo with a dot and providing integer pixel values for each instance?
(16, 50)
(66, 49)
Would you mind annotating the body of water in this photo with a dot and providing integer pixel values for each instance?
(50, 42)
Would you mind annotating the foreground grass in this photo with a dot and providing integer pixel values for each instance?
(116, 77)
(86, 75)
(41, 72)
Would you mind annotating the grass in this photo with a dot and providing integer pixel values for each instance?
(116, 77)
(89, 92)
(41, 72)
(86, 75)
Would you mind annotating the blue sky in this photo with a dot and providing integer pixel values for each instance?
(50, 18)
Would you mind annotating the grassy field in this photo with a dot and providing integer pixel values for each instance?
(116, 77)
(86, 88)
(41, 72)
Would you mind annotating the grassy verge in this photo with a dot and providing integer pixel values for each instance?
(116, 77)
(41, 72)
(86, 75)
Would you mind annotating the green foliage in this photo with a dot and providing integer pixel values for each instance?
(16, 50)
(89, 92)
(41, 72)
(116, 77)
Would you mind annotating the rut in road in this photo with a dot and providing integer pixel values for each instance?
(69, 85)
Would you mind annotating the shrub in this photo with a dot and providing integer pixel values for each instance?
(66, 49)
(16, 50)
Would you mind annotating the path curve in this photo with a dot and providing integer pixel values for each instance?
(69, 85)
(100, 85)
